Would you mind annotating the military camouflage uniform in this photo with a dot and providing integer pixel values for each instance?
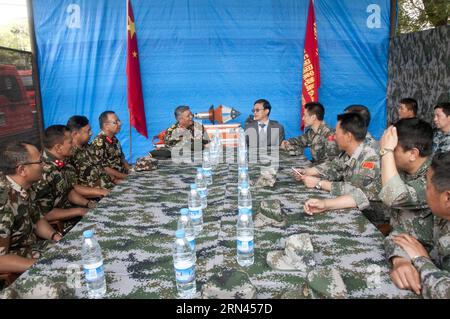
(53, 189)
(18, 216)
(406, 195)
(435, 274)
(108, 152)
(358, 176)
(441, 141)
(175, 135)
(86, 170)
(372, 141)
(321, 143)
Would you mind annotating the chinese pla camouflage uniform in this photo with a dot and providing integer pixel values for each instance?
(435, 277)
(52, 190)
(406, 195)
(175, 135)
(358, 176)
(87, 172)
(322, 144)
(18, 216)
(108, 152)
(441, 142)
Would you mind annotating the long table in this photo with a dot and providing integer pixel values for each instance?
(136, 224)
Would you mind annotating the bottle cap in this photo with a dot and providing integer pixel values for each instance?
(184, 211)
(179, 233)
(88, 233)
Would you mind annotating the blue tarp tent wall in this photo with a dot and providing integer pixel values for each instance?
(203, 52)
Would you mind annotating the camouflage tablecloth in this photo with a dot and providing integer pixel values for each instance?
(136, 224)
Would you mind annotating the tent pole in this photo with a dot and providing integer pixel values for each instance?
(35, 73)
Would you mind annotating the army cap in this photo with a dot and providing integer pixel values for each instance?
(326, 283)
(270, 213)
(298, 255)
(268, 177)
(229, 284)
(147, 163)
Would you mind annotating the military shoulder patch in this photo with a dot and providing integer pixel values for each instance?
(99, 141)
(368, 165)
(331, 138)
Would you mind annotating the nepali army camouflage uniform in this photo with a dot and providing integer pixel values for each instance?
(86, 171)
(18, 216)
(358, 176)
(322, 144)
(406, 196)
(435, 273)
(108, 152)
(52, 190)
(176, 135)
(441, 141)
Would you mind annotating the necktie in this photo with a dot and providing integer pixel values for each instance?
(262, 136)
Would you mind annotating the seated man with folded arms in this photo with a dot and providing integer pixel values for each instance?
(106, 148)
(405, 158)
(356, 186)
(54, 192)
(417, 266)
(319, 137)
(21, 222)
(89, 179)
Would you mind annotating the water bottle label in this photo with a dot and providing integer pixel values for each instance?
(94, 271)
(207, 172)
(203, 192)
(185, 275)
(196, 214)
(192, 243)
(245, 246)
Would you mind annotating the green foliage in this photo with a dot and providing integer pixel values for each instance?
(417, 15)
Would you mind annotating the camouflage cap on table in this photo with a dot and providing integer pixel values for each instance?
(146, 163)
(270, 213)
(298, 254)
(229, 284)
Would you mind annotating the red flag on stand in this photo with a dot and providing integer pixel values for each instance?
(134, 85)
(311, 70)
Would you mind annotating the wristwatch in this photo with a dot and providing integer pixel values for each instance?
(319, 185)
(384, 151)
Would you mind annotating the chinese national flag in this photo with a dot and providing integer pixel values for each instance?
(134, 85)
(311, 71)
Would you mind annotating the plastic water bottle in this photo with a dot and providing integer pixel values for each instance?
(242, 145)
(92, 260)
(201, 187)
(244, 197)
(206, 165)
(184, 265)
(244, 234)
(242, 177)
(242, 158)
(185, 222)
(195, 209)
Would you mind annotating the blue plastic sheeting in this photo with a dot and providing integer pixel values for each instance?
(204, 53)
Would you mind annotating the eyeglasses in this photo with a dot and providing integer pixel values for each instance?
(31, 163)
(115, 122)
(257, 110)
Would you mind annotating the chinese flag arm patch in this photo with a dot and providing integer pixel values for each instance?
(368, 165)
(331, 138)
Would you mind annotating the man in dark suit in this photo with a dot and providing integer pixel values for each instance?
(262, 132)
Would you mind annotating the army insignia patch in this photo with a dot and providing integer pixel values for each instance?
(109, 140)
(59, 163)
(99, 142)
(368, 165)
